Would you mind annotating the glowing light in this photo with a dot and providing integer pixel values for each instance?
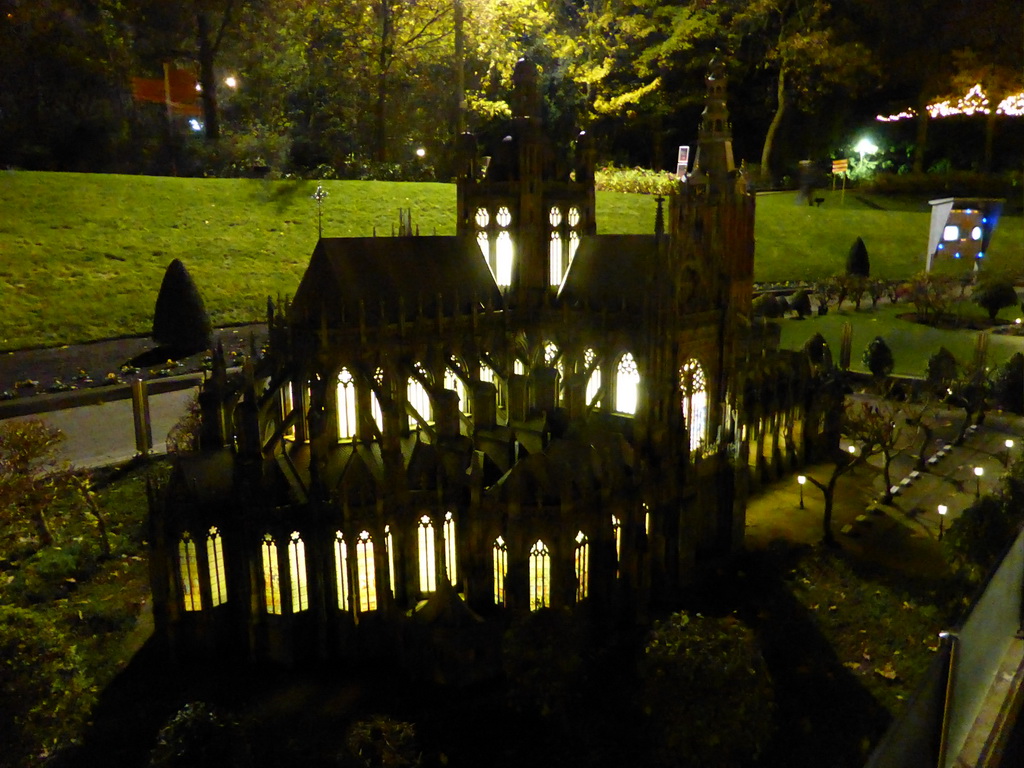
(943, 509)
(976, 233)
(865, 147)
(230, 81)
(195, 125)
(951, 232)
(975, 101)
(421, 152)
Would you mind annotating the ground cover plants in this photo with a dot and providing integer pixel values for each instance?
(84, 254)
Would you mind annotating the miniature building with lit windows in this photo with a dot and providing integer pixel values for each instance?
(961, 229)
(445, 431)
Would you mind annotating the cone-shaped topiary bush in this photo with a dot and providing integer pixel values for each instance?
(180, 320)
(857, 262)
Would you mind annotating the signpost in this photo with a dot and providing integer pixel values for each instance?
(840, 167)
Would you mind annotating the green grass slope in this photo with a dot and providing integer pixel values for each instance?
(82, 255)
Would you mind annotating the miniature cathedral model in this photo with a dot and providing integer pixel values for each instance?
(446, 431)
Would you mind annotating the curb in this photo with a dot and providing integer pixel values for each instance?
(58, 401)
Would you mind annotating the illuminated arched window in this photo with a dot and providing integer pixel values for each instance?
(189, 567)
(694, 389)
(218, 577)
(375, 410)
(617, 533)
(504, 217)
(627, 385)
(428, 567)
(647, 519)
(574, 217)
(500, 556)
(482, 218)
(297, 572)
(419, 399)
(366, 573)
(484, 244)
(346, 405)
(574, 243)
(287, 406)
(555, 267)
(540, 576)
(582, 565)
(341, 569)
(454, 383)
(503, 256)
(518, 367)
(486, 373)
(555, 217)
(271, 576)
(449, 548)
(389, 541)
(594, 382)
(551, 353)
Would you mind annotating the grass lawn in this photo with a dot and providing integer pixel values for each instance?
(82, 255)
(912, 343)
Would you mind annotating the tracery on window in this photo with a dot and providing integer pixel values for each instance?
(551, 353)
(346, 405)
(375, 410)
(555, 216)
(574, 217)
(555, 267)
(582, 565)
(271, 576)
(188, 564)
(366, 573)
(574, 243)
(482, 218)
(693, 386)
(627, 385)
(594, 382)
(453, 382)
(419, 399)
(540, 576)
(500, 557)
(427, 561)
(504, 217)
(341, 569)
(449, 548)
(297, 572)
(218, 577)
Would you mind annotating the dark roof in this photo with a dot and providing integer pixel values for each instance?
(609, 270)
(387, 272)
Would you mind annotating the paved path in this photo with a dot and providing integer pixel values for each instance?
(104, 434)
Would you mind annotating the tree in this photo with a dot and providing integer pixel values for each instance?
(876, 425)
(994, 294)
(857, 262)
(45, 698)
(180, 320)
(725, 716)
(800, 303)
(931, 294)
(1008, 384)
(976, 539)
(878, 358)
(199, 736)
(942, 371)
(380, 741)
(969, 392)
(31, 478)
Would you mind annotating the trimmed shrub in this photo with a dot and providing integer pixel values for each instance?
(942, 370)
(800, 303)
(995, 294)
(768, 305)
(878, 358)
(1008, 384)
(180, 320)
(857, 262)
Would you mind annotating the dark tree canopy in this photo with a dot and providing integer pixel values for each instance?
(180, 320)
(995, 294)
(878, 358)
(942, 369)
(857, 262)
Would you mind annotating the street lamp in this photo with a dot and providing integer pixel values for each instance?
(943, 509)
(801, 479)
(1009, 447)
(978, 472)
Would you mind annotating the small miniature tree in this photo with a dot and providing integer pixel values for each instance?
(995, 294)
(31, 478)
(726, 716)
(800, 303)
(180, 320)
(931, 294)
(975, 540)
(942, 370)
(857, 262)
(767, 305)
(1008, 384)
(878, 358)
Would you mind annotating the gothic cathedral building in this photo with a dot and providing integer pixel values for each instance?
(448, 431)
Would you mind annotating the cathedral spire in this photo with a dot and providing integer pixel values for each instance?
(714, 147)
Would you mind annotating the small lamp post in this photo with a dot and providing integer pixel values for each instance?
(1009, 447)
(801, 479)
(978, 472)
(943, 509)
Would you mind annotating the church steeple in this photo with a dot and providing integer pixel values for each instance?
(714, 148)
